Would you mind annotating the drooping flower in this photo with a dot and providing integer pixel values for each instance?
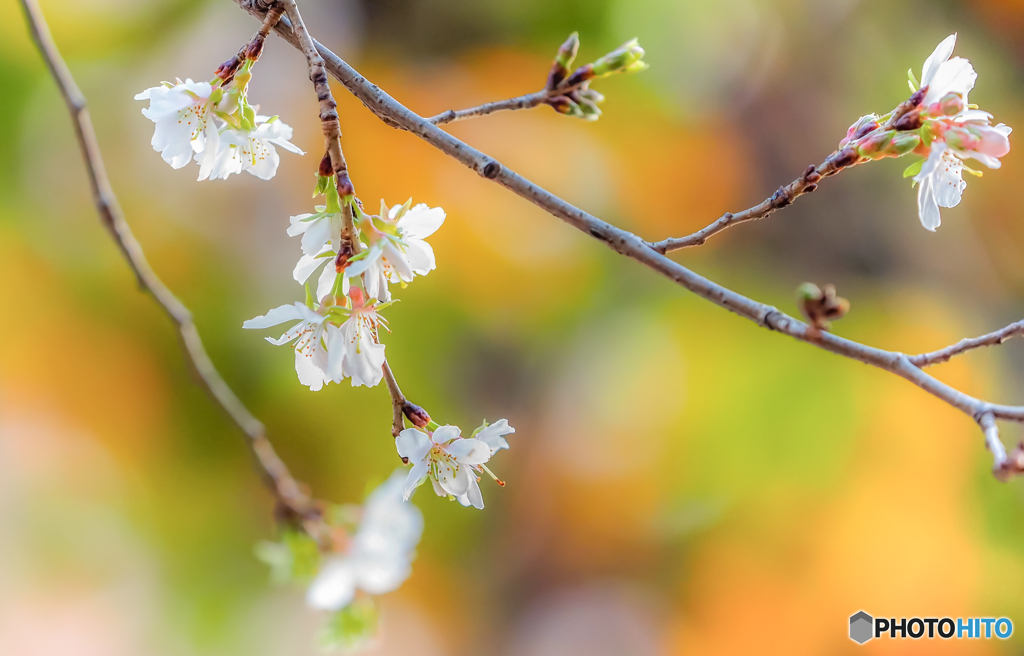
(943, 75)
(234, 150)
(311, 361)
(450, 461)
(354, 349)
(396, 246)
(379, 558)
(940, 180)
(182, 113)
(321, 238)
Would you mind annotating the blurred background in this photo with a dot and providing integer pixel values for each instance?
(680, 481)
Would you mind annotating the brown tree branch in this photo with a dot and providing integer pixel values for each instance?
(991, 339)
(528, 101)
(633, 247)
(328, 108)
(285, 488)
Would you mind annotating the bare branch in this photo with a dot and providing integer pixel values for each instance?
(528, 101)
(992, 441)
(991, 339)
(633, 247)
(286, 489)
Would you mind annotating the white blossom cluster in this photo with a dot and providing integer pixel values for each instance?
(336, 331)
(213, 124)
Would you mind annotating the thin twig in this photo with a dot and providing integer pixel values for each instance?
(992, 441)
(991, 339)
(398, 401)
(632, 246)
(286, 489)
(785, 195)
(528, 101)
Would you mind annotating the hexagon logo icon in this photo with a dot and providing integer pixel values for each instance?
(862, 627)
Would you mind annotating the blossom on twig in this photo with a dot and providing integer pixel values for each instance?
(450, 461)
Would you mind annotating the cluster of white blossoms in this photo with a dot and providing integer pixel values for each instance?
(336, 335)
(378, 558)
(337, 331)
(213, 124)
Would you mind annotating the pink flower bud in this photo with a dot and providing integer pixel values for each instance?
(950, 104)
(863, 126)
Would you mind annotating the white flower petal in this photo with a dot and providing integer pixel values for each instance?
(334, 586)
(413, 444)
(470, 451)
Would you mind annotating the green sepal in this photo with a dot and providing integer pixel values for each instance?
(295, 558)
(321, 184)
(433, 426)
(913, 169)
(352, 627)
(912, 80)
(249, 114)
(310, 301)
(331, 193)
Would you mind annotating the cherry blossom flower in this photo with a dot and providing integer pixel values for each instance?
(450, 461)
(396, 246)
(232, 150)
(321, 237)
(311, 361)
(943, 75)
(941, 177)
(182, 114)
(379, 558)
(354, 350)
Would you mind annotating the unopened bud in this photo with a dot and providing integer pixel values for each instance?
(820, 306)
(563, 60)
(950, 104)
(875, 144)
(417, 415)
(624, 58)
(565, 105)
(862, 127)
(326, 169)
(903, 143)
(567, 52)
(255, 48)
(909, 121)
(917, 97)
(226, 71)
(846, 156)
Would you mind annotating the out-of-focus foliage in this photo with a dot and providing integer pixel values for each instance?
(680, 482)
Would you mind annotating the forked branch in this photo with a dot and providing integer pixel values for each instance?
(633, 247)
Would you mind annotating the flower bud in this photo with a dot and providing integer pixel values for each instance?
(563, 60)
(909, 121)
(819, 306)
(624, 58)
(950, 104)
(565, 105)
(863, 126)
(873, 146)
(567, 52)
(417, 415)
(903, 143)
